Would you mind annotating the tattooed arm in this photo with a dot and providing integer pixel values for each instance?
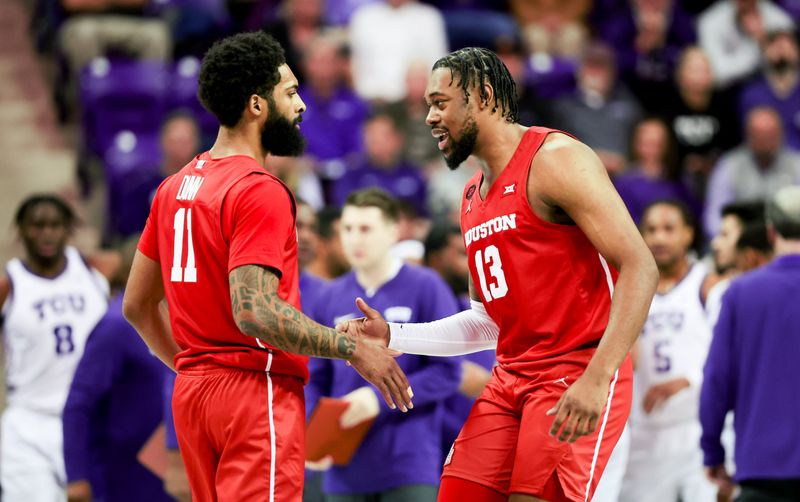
(259, 312)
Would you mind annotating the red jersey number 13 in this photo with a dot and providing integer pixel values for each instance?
(491, 257)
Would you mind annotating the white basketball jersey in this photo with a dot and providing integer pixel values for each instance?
(47, 322)
(674, 343)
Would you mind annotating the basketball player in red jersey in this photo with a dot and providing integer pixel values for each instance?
(221, 246)
(549, 242)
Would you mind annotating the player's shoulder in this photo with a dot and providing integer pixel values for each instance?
(559, 148)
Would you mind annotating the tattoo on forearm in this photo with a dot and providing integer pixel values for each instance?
(264, 315)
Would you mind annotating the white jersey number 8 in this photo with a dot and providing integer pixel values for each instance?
(183, 219)
(491, 256)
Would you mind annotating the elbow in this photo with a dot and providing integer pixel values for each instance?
(246, 322)
(131, 310)
(650, 272)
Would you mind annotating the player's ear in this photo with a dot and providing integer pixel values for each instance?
(256, 105)
(488, 101)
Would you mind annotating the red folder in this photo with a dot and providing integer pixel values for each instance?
(324, 435)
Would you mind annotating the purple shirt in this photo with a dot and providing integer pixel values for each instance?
(759, 93)
(403, 181)
(114, 407)
(407, 447)
(752, 369)
(332, 127)
(638, 191)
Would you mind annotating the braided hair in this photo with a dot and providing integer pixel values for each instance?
(476, 66)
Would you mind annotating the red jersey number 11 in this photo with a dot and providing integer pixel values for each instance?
(183, 220)
(491, 257)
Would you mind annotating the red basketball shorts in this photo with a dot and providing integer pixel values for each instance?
(241, 434)
(505, 443)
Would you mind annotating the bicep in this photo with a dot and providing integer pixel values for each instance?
(572, 177)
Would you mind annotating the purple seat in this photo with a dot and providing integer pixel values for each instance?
(131, 165)
(183, 96)
(120, 95)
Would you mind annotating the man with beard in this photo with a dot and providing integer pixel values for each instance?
(548, 240)
(666, 462)
(779, 85)
(220, 246)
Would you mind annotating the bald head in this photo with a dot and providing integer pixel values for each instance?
(764, 134)
(783, 212)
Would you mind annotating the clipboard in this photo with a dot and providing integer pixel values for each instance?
(153, 454)
(324, 435)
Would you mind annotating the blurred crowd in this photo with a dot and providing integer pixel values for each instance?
(692, 106)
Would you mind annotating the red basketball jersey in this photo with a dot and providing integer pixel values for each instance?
(544, 284)
(212, 216)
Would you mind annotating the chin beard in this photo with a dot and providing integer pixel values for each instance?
(782, 66)
(462, 148)
(280, 136)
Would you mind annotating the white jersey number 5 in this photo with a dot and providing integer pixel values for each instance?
(183, 219)
(491, 257)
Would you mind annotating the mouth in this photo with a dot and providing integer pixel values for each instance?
(443, 138)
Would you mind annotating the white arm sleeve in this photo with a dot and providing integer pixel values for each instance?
(463, 333)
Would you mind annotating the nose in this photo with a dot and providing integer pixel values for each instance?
(432, 117)
(301, 107)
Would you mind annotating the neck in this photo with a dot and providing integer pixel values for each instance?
(696, 99)
(670, 276)
(496, 147)
(238, 141)
(785, 247)
(376, 275)
(651, 169)
(46, 269)
(782, 83)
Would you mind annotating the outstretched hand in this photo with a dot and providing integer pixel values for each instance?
(372, 325)
(374, 361)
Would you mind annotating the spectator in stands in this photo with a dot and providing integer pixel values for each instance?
(753, 249)
(113, 409)
(335, 117)
(752, 368)
(702, 119)
(409, 113)
(779, 85)
(477, 23)
(179, 141)
(665, 462)
(602, 112)
(406, 448)
(754, 170)
(555, 27)
(652, 174)
(732, 32)
(329, 261)
(386, 38)
(383, 166)
(648, 37)
(95, 27)
(307, 245)
(299, 22)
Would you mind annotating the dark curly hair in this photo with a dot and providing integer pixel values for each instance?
(234, 69)
(27, 206)
(474, 67)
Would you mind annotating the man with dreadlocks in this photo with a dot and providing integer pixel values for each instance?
(549, 242)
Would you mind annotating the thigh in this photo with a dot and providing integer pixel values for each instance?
(579, 465)
(410, 493)
(484, 450)
(262, 457)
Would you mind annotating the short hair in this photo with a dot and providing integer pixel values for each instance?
(688, 217)
(754, 236)
(751, 211)
(234, 69)
(783, 212)
(326, 217)
(438, 237)
(475, 67)
(32, 201)
(375, 197)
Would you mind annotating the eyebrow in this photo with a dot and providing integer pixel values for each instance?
(436, 93)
